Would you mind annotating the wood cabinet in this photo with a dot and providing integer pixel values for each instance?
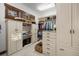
(14, 13)
(31, 19)
(14, 36)
(63, 23)
(49, 43)
(67, 29)
(42, 19)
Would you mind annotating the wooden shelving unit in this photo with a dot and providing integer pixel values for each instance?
(14, 13)
(42, 19)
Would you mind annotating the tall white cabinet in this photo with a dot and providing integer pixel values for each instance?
(67, 29)
(14, 36)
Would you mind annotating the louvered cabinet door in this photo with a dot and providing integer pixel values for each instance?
(63, 24)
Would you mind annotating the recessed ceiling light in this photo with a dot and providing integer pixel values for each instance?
(45, 7)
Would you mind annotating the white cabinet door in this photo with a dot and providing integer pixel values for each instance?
(63, 24)
(14, 37)
(11, 46)
(19, 44)
(75, 18)
(19, 41)
(11, 25)
(11, 42)
(19, 26)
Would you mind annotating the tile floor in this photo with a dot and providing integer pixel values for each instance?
(28, 50)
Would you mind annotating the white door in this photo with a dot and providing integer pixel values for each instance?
(63, 23)
(75, 17)
(19, 26)
(11, 25)
(19, 44)
(14, 37)
(19, 41)
(11, 42)
(75, 22)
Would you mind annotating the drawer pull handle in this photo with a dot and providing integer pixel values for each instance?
(48, 44)
(48, 53)
(48, 48)
(61, 49)
(48, 40)
(48, 36)
(47, 33)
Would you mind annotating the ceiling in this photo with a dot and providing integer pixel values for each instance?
(34, 6)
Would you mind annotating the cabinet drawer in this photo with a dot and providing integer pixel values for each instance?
(50, 48)
(49, 34)
(49, 53)
(50, 45)
(49, 41)
(49, 37)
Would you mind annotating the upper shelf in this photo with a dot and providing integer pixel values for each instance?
(17, 14)
(43, 19)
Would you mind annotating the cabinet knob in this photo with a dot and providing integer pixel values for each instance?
(47, 36)
(70, 31)
(48, 48)
(47, 33)
(48, 40)
(73, 31)
(61, 49)
(48, 53)
(48, 44)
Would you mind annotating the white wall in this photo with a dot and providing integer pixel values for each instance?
(50, 12)
(2, 32)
